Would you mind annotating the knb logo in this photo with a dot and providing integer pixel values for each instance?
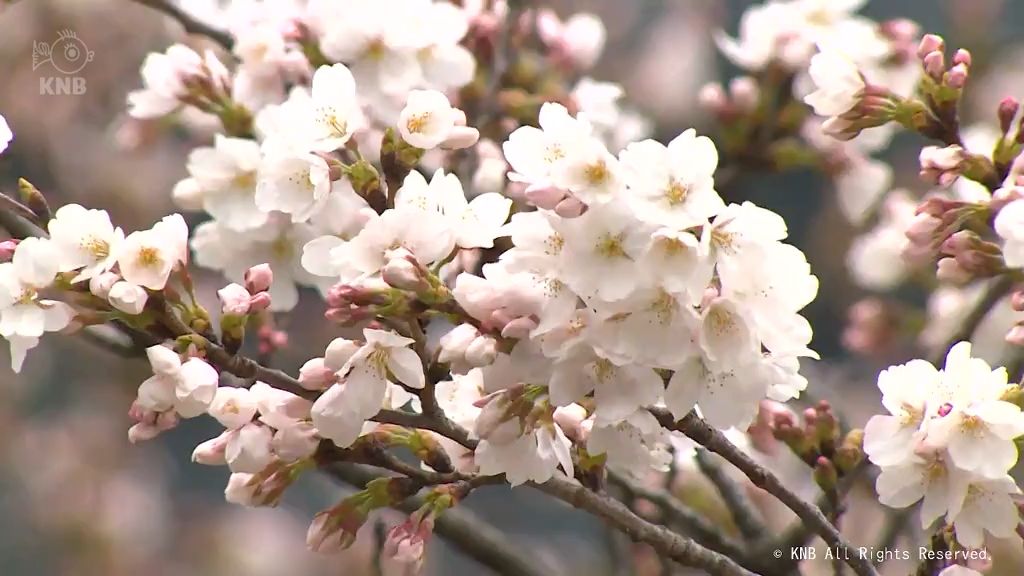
(67, 55)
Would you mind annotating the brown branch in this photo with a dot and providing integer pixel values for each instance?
(190, 23)
(459, 526)
(702, 433)
(744, 513)
(676, 512)
(679, 548)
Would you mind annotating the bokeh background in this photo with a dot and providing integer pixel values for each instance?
(77, 499)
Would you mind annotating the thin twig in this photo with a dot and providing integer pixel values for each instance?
(744, 513)
(676, 512)
(190, 23)
(679, 548)
(702, 433)
(463, 529)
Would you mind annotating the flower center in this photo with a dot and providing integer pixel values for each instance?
(28, 295)
(302, 180)
(337, 126)
(417, 122)
(99, 248)
(553, 153)
(676, 193)
(596, 174)
(663, 307)
(604, 370)
(553, 244)
(378, 361)
(281, 248)
(245, 180)
(610, 246)
(972, 426)
(148, 257)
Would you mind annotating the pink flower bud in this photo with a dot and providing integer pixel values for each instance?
(461, 137)
(259, 278)
(930, 43)
(957, 77)
(211, 452)
(1008, 109)
(1017, 300)
(570, 418)
(519, 328)
(315, 375)
(128, 298)
(963, 57)
(455, 343)
(1016, 335)
(234, 300)
(712, 97)
(482, 351)
(241, 489)
(402, 271)
(949, 270)
(7, 248)
(923, 228)
(101, 284)
(260, 302)
(570, 207)
(546, 197)
(935, 65)
(406, 542)
(293, 443)
(745, 93)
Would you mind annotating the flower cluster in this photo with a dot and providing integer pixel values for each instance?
(87, 255)
(949, 439)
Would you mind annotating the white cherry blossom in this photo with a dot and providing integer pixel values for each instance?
(476, 224)
(85, 240)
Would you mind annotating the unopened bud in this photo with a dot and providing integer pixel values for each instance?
(259, 278)
(1015, 336)
(570, 419)
(570, 207)
(744, 93)
(455, 343)
(519, 328)
(188, 195)
(546, 197)
(461, 137)
(935, 65)
(930, 43)
(211, 452)
(234, 300)
(957, 76)
(1008, 109)
(712, 97)
(825, 474)
(963, 57)
(101, 284)
(402, 271)
(850, 452)
(7, 248)
(128, 298)
(482, 351)
(260, 302)
(1017, 300)
(949, 270)
(315, 375)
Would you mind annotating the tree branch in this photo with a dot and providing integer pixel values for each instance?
(744, 513)
(676, 512)
(702, 433)
(190, 23)
(459, 526)
(679, 548)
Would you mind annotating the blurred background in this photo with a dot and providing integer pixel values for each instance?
(77, 498)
